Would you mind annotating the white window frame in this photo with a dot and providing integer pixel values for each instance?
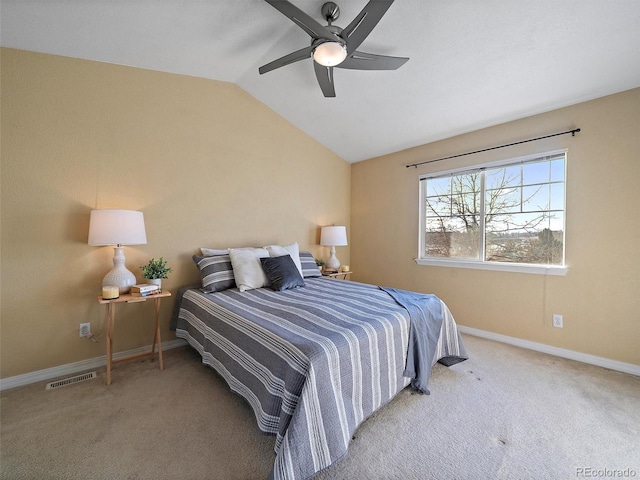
(483, 264)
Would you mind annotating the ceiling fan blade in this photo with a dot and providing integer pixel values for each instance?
(325, 79)
(370, 61)
(361, 26)
(293, 57)
(304, 21)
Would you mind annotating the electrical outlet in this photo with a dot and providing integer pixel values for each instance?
(85, 328)
(557, 320)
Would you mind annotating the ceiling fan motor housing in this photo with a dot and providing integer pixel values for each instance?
(335, 30)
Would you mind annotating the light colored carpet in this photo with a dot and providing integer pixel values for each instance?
(507, 413)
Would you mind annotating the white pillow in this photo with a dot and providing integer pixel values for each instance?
(247, 268)
(292, 250)
(211, 252)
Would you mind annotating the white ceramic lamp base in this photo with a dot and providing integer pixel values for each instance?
(333, 263)
(119, 276)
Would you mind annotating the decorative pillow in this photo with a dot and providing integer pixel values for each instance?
(282, 273)
(216, 272)
(309, 267)
(247, 268)
(291, 250)
(210, 252)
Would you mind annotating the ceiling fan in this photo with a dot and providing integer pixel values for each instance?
(335, 47)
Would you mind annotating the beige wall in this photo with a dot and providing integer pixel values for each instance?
(600, 295)
(208, 165)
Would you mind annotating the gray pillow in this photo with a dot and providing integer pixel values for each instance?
(281, 272)
(309, 267)
(216, 272)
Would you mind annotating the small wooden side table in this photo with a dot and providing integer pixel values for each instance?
(109, 320)
(342, 275)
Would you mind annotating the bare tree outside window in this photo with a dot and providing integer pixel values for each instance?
(513, 213)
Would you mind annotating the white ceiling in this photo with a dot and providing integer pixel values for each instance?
(472, 63)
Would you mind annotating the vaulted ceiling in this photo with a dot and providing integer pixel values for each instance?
(472, 63)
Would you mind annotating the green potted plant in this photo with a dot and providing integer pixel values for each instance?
(320, 263)
(155, 271)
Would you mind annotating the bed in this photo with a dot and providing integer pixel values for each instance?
(316, 360)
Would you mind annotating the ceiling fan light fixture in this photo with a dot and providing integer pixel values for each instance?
(330, 54)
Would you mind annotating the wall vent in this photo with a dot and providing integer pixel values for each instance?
(71, 380)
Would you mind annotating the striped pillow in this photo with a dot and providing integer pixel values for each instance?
(216, 272)
(309, 267)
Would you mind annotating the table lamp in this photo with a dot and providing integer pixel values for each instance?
(333, 236)
(117, 227)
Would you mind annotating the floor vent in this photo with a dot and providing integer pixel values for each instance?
(71, 380)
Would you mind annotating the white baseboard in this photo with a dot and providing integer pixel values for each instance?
(77, 367)
(558, 352)
(83, 365)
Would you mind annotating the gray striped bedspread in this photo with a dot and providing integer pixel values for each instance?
(313, 362)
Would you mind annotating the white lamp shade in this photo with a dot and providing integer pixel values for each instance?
(329, 54)
(116, 227)
(333, 236)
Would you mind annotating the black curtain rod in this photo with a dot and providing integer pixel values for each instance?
(572, 132)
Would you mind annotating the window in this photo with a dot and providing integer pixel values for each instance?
(506, 216)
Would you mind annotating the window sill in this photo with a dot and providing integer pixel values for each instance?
(495, 266)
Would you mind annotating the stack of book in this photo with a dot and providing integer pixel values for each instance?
(144, 290)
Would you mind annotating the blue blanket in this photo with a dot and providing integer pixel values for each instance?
(425, 313)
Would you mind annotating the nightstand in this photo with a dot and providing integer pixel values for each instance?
(109, 320)
(341, 275)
